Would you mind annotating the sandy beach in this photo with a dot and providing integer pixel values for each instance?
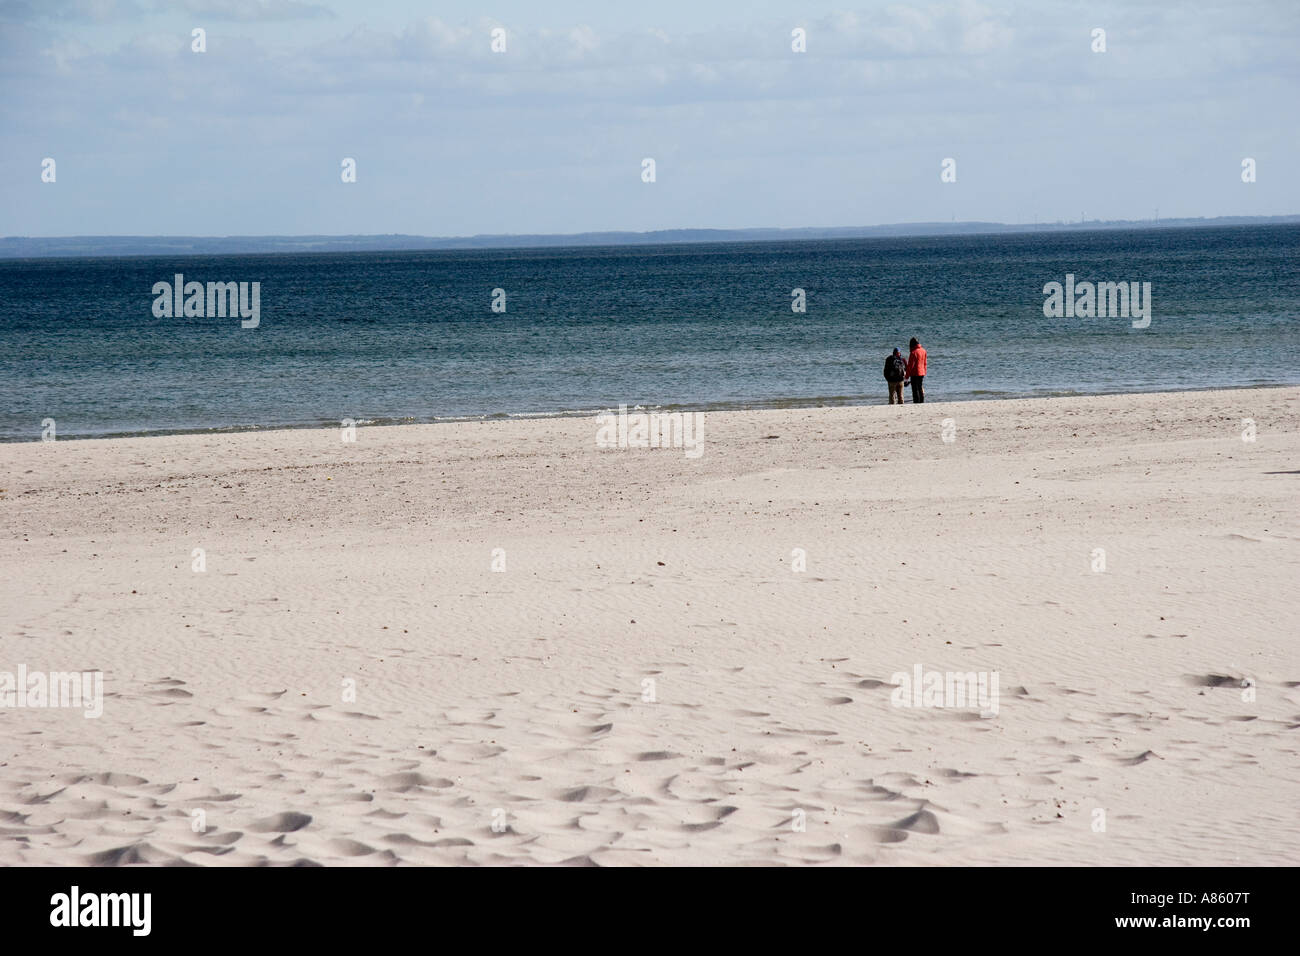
(498, 643)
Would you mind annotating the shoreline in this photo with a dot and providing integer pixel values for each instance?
(791, 404)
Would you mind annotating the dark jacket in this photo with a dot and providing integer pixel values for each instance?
(895, 368)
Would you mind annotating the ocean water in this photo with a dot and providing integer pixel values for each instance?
(411, 336)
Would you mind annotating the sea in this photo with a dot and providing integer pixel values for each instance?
(400, 337)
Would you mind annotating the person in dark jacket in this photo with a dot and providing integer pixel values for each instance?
(895, 372)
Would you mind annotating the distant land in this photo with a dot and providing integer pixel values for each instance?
(21, 247)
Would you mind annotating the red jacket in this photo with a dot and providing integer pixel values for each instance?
(916, 363)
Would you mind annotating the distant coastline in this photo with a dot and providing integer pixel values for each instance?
(27, 247)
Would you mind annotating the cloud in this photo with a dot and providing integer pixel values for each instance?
(854, 127)
(256, 10)
(73, 12)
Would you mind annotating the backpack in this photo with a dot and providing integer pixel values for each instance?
(895, 369)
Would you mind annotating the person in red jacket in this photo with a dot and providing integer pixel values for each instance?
(916, 371)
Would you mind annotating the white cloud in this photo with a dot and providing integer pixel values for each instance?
(879, 97)
(256, 10)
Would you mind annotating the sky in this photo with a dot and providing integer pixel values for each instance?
(451, 138)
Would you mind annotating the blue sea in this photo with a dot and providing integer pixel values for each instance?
(412, 336)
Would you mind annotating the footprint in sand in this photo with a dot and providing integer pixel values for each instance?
(1140, 758)
(403, 782)
(286, 822)
(922, 821)
(657, 755)
(1213, 680)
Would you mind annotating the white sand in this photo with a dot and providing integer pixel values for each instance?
(523, 691)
